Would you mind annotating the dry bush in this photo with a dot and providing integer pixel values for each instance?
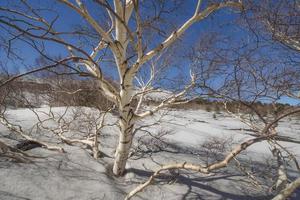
(214, 148)
(233, 106)
(77, 93)
(151, 143)
(13, 96)
(24, 93)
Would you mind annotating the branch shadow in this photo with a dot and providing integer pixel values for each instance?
(7, 195)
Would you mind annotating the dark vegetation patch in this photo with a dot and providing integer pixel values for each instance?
(62, 91)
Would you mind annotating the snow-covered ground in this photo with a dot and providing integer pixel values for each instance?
(76, 175)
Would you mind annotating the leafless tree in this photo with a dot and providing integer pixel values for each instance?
(121, 42)
(245, 79)
(124, 48)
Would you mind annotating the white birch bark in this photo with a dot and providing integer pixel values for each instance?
(126, 113)
(126, 125)
(118, 44)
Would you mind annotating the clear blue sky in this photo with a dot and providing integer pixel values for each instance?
(222, 23)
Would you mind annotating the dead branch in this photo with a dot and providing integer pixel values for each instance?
(198, 168)
(288, 191)
(15, 154)
(18, 130)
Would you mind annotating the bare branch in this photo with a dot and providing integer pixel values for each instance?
(179, 32)
(169, 100)
(17, 129)
(288, 191)
(199, 168)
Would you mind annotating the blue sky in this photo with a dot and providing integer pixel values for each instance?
(221, 22)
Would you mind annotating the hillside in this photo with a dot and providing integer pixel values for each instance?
(192, 135)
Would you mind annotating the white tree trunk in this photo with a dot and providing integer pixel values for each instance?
(124, 145)
(126, 123)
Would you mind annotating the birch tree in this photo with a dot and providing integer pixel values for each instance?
(245, 79)
(121, 35)
(248, 75)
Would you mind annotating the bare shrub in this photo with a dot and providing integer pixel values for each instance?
(208, 109)
(214, 148)
(77, 93)
(150, 143)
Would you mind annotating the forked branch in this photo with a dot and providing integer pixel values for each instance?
(199, 168)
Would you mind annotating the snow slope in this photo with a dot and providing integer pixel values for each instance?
(76, 175)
